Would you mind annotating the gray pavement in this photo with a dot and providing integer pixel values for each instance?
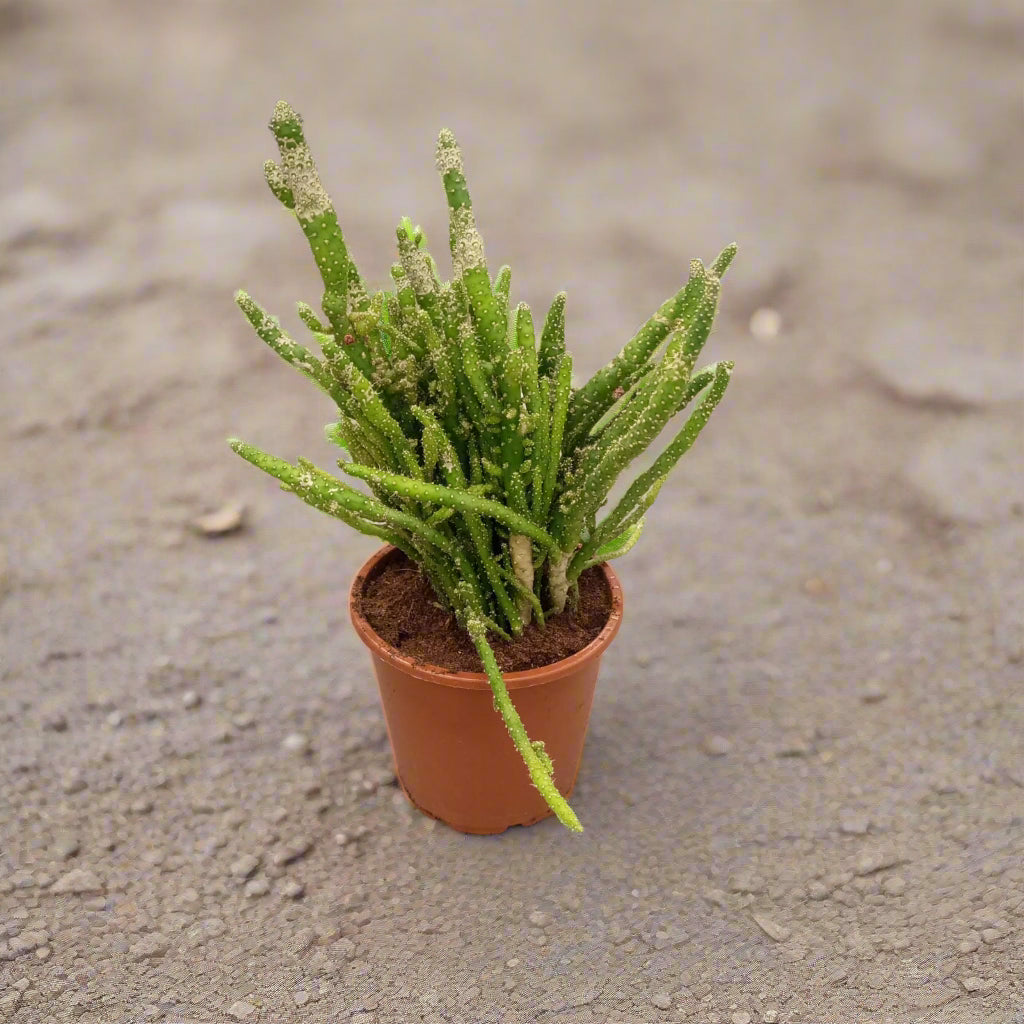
(803, 789)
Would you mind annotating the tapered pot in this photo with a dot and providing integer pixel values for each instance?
(453, 756)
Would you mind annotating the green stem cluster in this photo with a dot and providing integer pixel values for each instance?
(483, 464)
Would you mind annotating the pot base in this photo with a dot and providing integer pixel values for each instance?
(471, 830)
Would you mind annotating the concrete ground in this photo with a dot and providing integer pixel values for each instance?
(803, 789)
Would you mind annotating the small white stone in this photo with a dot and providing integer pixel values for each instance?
(774, 930)
(257, 887)
(794, 745)
(718, 897)
(873, 692)
(33, 211)
(296, 743)
(66, 845)
(852, 822)
(241, 1009)
(326, 932)
(189, 899)
(78, 881)
(876, 860)
(973, 984)
(717, 746)
(72, 783)
(740, 1017)
(190, 699)
(292, 890)
(226, 519)
(292, 850)
(765, 324)
(245, 866)
(818, 892)
(150, 947)
(746, 882)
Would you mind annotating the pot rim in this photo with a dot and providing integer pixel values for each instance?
(478, 680)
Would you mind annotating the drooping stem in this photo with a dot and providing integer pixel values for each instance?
(538, 763)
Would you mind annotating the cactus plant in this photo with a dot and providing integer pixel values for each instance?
(482, 462)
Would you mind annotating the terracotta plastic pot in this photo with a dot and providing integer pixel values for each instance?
(453, 756)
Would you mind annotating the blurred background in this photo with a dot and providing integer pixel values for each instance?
(823, 623)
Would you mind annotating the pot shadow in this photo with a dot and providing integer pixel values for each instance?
(645, 751)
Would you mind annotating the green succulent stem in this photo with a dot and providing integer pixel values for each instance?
(462, 501)
(641, 494)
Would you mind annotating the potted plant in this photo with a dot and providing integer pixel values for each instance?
(485, 471)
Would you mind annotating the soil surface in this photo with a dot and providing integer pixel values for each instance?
(803, 787)
(401, 605)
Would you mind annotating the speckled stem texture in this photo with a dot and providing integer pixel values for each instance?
(483, 463)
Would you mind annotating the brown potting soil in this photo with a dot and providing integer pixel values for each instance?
(401, 606)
